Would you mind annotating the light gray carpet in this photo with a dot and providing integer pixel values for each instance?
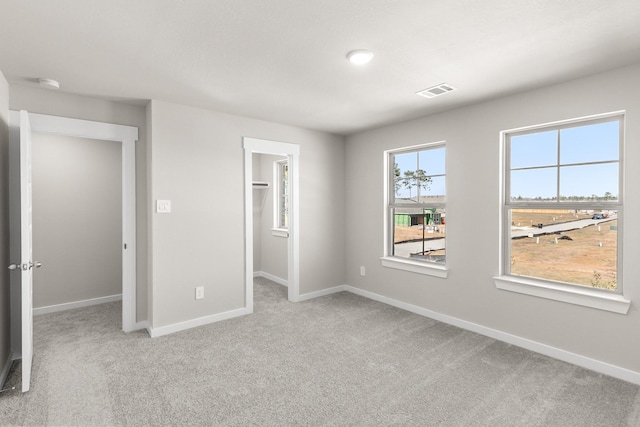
(332, 361)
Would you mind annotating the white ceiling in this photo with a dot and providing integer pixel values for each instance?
(284, 60)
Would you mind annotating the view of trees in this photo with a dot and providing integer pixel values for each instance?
(411, 179)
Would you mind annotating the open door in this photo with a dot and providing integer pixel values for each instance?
(20, 236)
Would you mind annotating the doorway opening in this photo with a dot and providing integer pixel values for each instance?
(77, 222)
(126, 136)
(285, 222)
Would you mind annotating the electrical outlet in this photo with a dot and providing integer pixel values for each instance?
(362, 272)
(200, 292)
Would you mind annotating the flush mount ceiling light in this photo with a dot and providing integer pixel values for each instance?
(49, 83)
(438, 90)
(360, 56)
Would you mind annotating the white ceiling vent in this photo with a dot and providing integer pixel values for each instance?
(434, 91)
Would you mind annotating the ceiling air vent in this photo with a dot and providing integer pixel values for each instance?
(434, 91)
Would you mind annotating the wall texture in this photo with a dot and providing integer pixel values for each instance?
(197, 163)
(44, 101)
(473, 205)
(5, 315)
(77, 218)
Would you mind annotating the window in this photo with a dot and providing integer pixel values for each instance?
(416, 206)
(281, 195)
(563, 205)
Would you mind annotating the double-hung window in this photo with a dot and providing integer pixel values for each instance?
(281, 195)
(563, 210)
(416, 209)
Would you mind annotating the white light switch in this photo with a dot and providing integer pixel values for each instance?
(163, 206)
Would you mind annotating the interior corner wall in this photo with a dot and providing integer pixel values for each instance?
(473, 207)
(5, 339)
(197, 163)
(148, 214)
(43, 101)
(259, 195)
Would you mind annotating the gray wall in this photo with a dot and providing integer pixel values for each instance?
(44, 101)
(77, 218)
(197, 162)
(259, 197)
(270, 251)
(473, 179)
(5, 341)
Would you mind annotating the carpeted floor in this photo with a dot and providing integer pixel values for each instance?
(339, 360)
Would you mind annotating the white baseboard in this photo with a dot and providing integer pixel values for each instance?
(201, 321)
(5, 371)
(321, 293)
(76, 304)
(278, 280)
(556, 353)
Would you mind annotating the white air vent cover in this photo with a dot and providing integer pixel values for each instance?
(434, 91)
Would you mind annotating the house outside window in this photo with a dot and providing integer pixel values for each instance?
(416, 206)
(563, 206)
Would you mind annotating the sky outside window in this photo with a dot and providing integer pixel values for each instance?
(539, 159)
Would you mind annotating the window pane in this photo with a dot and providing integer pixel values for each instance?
(432, 161)
(534, 149)
(592, 143)
(596, 182)
(419, 234)
(405, 180)
(282, 194)
(576, 247)
(534, 184)
(434, 191)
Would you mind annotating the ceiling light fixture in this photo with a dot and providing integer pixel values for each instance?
(49, 84)
(360, 56)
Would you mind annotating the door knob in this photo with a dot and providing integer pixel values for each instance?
(36, 264)
(15, 267)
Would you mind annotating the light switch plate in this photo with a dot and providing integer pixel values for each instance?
(163, 206)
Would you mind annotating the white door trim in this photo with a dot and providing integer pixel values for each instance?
(127, 135)
(292, 151)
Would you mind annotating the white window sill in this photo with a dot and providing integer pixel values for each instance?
(419, 267)
(573, 295)
(280, 232)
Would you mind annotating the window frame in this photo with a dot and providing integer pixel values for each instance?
(389, 260)
(280, 227)
(609, 300)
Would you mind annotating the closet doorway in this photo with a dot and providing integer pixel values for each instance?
(123, 138)
(282, 212)
(77, 221)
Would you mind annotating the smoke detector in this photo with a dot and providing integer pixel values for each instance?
(49, 84)
(438, 90)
